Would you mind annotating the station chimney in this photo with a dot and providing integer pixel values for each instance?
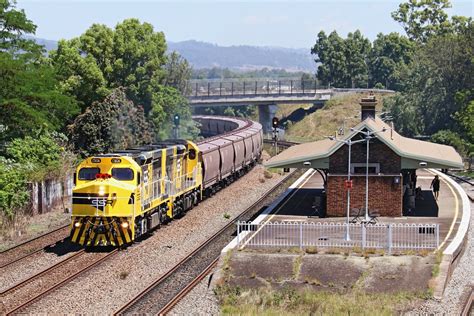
(367, 107)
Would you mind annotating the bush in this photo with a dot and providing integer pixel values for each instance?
(44, 156)
(13, 190)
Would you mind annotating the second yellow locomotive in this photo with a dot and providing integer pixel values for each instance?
(122, 195)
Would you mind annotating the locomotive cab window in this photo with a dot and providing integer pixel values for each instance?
(88, 173)
(123, 174)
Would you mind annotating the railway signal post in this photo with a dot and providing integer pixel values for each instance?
(275, 122)
(176, 126)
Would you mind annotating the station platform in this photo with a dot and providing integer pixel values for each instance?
(299, 206)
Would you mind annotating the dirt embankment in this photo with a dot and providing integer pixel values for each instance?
(320, 282)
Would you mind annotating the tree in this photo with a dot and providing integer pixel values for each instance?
(389, 56)
(30, 99)
(330, 52)
(357, 48)
(343, 61)
(13, 26)
(422, 19)
(114, 123)
(132, 55)
(168, 101)
(435, 93)
(178, 72)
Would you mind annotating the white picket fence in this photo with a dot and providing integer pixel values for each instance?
(302, 234)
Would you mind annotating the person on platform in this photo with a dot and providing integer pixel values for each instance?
(435, 186)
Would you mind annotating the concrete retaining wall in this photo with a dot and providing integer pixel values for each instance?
(49, 194)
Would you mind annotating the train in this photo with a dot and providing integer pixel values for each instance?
(123, 195)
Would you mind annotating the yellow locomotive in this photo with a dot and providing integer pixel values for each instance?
(122, 195)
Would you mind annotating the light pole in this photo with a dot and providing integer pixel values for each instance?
(368, 136)
(349, 143)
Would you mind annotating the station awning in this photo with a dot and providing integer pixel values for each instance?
(414, 153)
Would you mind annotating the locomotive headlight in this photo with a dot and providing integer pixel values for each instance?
(101, 190)
(77, 224)
(124, 224)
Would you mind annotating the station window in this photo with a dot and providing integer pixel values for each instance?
(88, 173)
(123, 174)
(360, 168)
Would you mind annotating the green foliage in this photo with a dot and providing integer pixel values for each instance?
(41, 151)
(389, 56)
(13, 190)
(437, 87)
(168, 101)
(226, 73)
(178, 72)
(44, 155)
(422, 19)
(14, 25)
(239, 111)
(131, 55)
(450, 138)
(330, 51)
(30, 99)
(114, 123)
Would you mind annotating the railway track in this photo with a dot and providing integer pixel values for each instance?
(162, 295)
(18, 297)
(32, 246)
(468, 306)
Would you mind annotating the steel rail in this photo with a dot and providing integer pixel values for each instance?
(468, 304)
(171, 304)
(63, 282)
(41, 273)
(28, 242)
(155, 284)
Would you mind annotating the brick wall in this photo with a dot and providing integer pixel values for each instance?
(390, 162)
(384, 195)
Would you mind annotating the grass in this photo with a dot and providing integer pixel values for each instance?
(291, 302)
(297, 266)
(329, 119)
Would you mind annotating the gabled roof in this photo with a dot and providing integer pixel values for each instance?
(411, 150)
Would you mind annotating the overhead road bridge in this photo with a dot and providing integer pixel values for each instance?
(266, 94)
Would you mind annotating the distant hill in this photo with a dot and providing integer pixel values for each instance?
(206, 55)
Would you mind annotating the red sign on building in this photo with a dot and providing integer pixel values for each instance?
(348, 184)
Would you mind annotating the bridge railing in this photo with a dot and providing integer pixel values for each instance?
(249, 87)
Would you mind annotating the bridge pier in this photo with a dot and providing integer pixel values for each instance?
(265, 114)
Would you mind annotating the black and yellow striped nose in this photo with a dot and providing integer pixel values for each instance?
(101, 231)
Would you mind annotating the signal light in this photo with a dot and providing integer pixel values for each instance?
(275, 122)
(176, 119)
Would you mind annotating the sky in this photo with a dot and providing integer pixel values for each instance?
(292, 24)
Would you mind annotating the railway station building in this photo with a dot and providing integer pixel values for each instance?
(392, 164)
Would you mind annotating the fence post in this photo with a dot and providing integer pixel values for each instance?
(301, 235)
(363, 236)
(437, 235)
(238, 233)
(389, 238)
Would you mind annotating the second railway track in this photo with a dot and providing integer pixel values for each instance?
(25, 293)
(32, 246)
(164, 292)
